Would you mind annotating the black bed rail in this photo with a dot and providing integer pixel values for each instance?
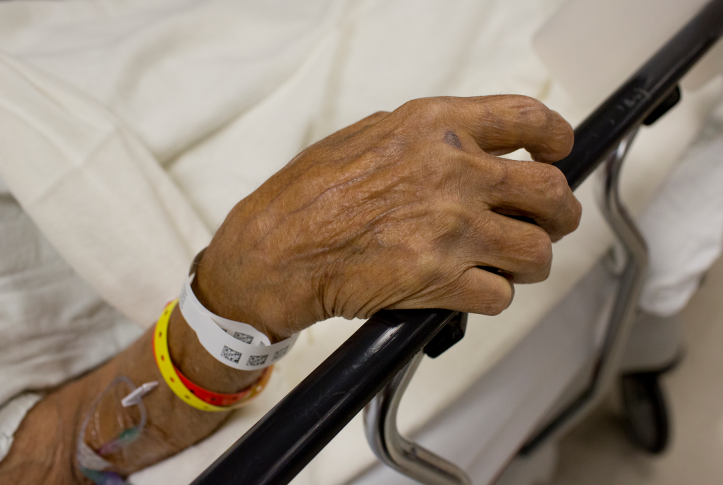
(299, 426)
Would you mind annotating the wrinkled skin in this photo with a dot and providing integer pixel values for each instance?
(400, 210)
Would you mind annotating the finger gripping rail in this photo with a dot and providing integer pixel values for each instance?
(300, 425)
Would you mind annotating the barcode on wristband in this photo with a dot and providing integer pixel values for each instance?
(244, 337)
(257, 360)
(280, 353)
(230, 355)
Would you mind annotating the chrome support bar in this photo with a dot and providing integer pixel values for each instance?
(380, 422)
(634, 253)
(635, 263)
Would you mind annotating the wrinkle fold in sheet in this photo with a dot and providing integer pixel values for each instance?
(95, 191)
(137, 124)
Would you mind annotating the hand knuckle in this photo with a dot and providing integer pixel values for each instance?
(498, 300)
(422, 253)
(564, 138)
(532, 111)
(538, 251)
(424, 111)
(450, 218)
(556, 188)
(496, 174)
(428, 269)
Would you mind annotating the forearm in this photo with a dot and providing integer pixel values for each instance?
(45, 443)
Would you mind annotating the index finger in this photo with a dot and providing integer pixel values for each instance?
(505, 123)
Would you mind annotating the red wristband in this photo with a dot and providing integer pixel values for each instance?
(225, 400)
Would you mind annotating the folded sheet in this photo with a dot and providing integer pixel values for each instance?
(131, 128)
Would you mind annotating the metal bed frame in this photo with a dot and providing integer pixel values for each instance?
(373, 367)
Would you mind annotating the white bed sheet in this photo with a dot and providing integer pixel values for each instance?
(164, 114)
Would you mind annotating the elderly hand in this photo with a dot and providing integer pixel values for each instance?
(400, 210)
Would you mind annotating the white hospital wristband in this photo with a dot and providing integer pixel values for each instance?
(235, 344)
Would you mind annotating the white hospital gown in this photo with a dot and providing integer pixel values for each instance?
(53, 326)
(146, 121)
(684, 224)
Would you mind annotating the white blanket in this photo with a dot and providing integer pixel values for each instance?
(128, 129)
(684, 224)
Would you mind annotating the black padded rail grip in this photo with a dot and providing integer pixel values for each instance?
(285, 440)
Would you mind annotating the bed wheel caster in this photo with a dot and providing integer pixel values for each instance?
(645, 411)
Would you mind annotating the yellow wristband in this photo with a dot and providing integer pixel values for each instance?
(174, 382)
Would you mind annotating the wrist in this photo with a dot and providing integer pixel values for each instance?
(194, 362)
(228, 284)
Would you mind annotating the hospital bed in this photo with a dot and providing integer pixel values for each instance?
(184, 130)
(95, 70)
(375, 365)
